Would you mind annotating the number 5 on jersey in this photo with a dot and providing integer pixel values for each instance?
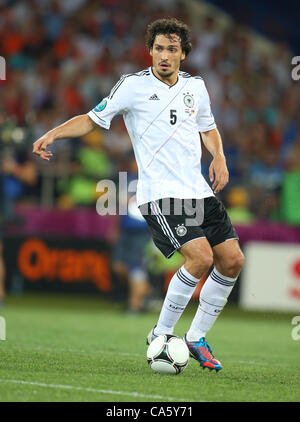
(173, 117)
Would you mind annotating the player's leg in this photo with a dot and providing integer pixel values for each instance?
(118, 259)
(138, 284)
(170, 233)
(228, 258)
(121, 270)
(139, 289)
(228, 262)
(198, 259)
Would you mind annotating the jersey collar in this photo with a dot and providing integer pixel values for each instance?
(160, 82)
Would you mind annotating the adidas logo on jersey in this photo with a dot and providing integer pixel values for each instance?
(154, 97)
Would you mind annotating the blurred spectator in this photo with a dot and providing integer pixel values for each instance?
(116, 142)
(237, 203)
(128, 258)
(19, 176)
(265, 180)
(206, 39)
(292, 162)
(90, 165)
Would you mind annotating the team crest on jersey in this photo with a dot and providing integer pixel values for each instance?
(101, 106)
(181, 230)
(188, 100)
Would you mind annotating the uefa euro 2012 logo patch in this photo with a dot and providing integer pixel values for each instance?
(101, 106)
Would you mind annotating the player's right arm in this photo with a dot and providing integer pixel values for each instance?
(73, 128)
(117, 102)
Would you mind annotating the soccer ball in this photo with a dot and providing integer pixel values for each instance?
(168, 354)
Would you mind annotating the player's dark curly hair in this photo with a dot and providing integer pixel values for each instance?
(169, 26)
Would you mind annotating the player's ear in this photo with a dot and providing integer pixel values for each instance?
(151, 51)
(182, 56)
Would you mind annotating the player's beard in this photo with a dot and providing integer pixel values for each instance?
(165, 75)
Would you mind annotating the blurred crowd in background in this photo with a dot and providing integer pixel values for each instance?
(63, 57)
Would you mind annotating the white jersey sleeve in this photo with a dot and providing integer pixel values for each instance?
(117, 102)
(205, 118)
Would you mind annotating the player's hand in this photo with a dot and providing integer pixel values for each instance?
(39, 146)
(218, 173)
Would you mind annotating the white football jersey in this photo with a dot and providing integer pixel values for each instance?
(163, 123)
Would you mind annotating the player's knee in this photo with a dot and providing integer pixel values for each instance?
(207, 262)
(238, 261)
(234, 264)
(201, 264)
(198, 257)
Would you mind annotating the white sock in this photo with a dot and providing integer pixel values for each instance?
(180, 290)
(213, 298)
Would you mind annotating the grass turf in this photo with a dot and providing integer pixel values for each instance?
(71, 349)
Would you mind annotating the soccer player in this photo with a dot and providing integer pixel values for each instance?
(164, 110)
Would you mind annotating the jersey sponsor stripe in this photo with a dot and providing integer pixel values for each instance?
(122, 79)
(114, 89)
(156, 117)
(161, 223)
(164, 224)
(167, 225)
(167, 140)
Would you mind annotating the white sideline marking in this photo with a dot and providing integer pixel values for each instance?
(93, 390)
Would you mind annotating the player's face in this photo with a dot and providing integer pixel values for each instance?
(167, 55)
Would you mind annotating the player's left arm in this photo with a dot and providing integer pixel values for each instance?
(218, 172)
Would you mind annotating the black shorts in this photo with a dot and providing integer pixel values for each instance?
(174, 222)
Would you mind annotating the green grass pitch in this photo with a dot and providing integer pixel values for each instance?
(76, 349)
